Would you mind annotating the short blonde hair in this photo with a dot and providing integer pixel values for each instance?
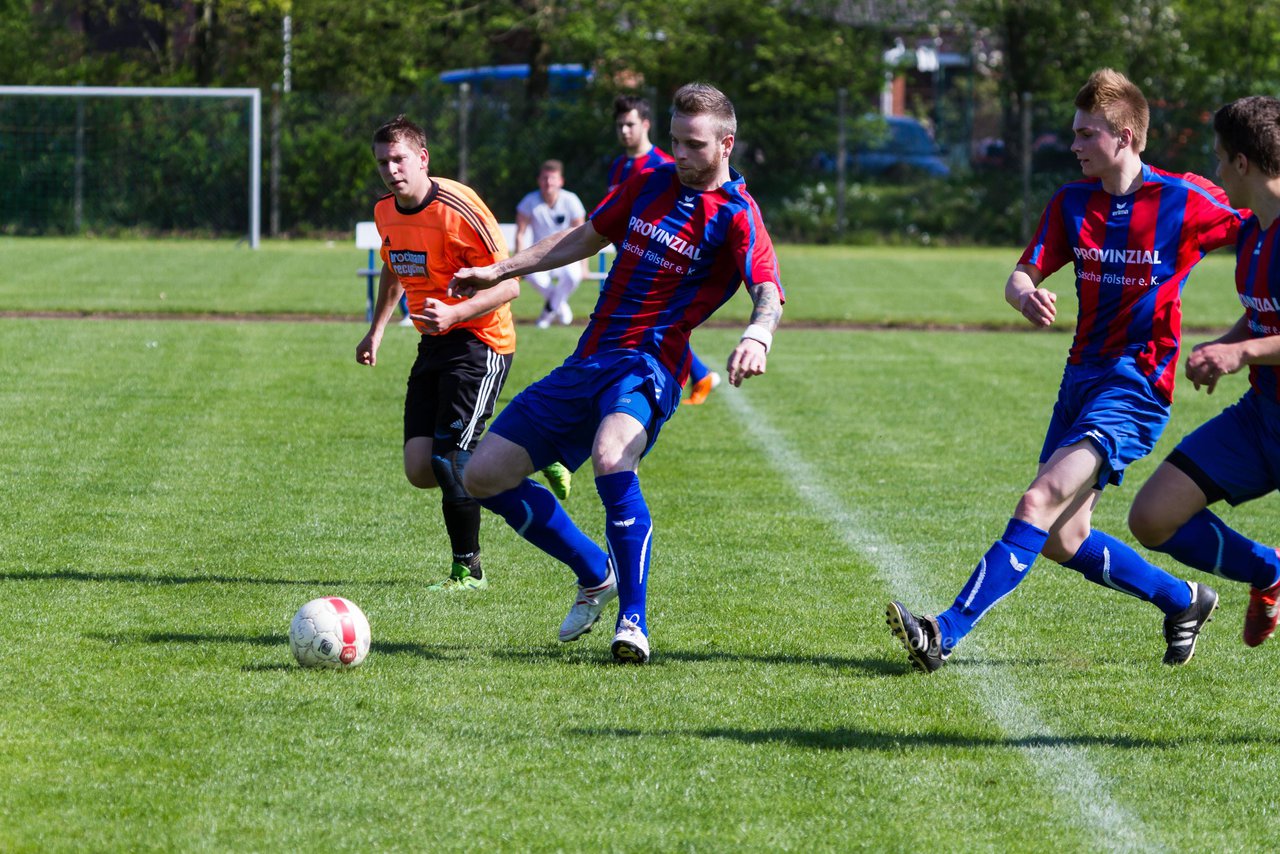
(702, 99)
(1120, 102)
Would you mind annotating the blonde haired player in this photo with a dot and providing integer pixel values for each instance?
(1132, 234)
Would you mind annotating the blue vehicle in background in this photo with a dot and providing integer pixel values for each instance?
(892, 147)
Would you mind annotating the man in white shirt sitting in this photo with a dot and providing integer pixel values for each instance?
(548, 210)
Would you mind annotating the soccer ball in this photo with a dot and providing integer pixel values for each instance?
(329, 632)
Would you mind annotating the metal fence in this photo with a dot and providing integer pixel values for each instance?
(112, 165)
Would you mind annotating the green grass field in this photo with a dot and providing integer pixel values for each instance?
(826, 285)
(176, 488)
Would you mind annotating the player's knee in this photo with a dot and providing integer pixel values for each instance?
(1062, 545)
(1147, 526)
(419, 473)
(1042, 503)
(479, 479)
(417, 463)
(606, 461)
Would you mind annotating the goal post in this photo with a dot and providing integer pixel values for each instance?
(252, 96)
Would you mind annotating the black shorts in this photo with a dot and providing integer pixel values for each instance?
(452, 389)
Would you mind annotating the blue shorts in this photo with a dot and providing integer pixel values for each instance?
(1236, 454)
(556, 418)
(1112, 405)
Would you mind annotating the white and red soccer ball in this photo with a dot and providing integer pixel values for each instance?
(329, 632)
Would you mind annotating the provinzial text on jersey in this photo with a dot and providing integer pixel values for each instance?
(407, 262)
(1118, 256)
(1260, 303)
(653, 258)
(679, 244)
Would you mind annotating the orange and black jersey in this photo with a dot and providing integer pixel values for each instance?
(425, 246)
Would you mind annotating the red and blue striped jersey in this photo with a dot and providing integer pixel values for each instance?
(682, 253)
(1258, 284)
(624, 167)
(1132, 255)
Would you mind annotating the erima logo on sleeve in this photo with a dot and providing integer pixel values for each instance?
(407, 262)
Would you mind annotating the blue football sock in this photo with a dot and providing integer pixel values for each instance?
(628, 530)
(1206, 543)
(534, 513)
(697, 370)
(1001, 569)
(1106, 561)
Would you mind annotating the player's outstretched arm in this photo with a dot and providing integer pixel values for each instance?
(1038, 305)
(750, 357)
(556, 250)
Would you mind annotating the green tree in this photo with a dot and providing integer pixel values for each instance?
(1188, 60)
(36, 49)
(1047, 50)
(782, 64)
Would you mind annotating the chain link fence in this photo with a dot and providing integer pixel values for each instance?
(179, 166)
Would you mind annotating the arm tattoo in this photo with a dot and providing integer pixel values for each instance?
(768, 310)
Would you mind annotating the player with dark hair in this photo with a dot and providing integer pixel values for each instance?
(1235, 455)
(632, 120)
(431, 227)
(1132, 233)
(689, 234)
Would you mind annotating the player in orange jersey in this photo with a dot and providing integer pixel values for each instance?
(430, 228)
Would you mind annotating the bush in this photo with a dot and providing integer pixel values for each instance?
(974, 208)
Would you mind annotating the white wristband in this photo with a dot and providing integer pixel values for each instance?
(756, 332)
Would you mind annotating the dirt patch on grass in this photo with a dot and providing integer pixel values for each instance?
(714, 323)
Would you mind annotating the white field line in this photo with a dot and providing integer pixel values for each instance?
(1082, 791)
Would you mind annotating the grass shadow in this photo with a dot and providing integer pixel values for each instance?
(899, 666)
(162, 580)
(430, 653)
(561, 654)
(845, 738)
(187, 638)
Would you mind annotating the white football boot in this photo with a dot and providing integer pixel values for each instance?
(630, 646)
(587, 606)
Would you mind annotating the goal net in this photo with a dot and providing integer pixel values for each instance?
(106, 160)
